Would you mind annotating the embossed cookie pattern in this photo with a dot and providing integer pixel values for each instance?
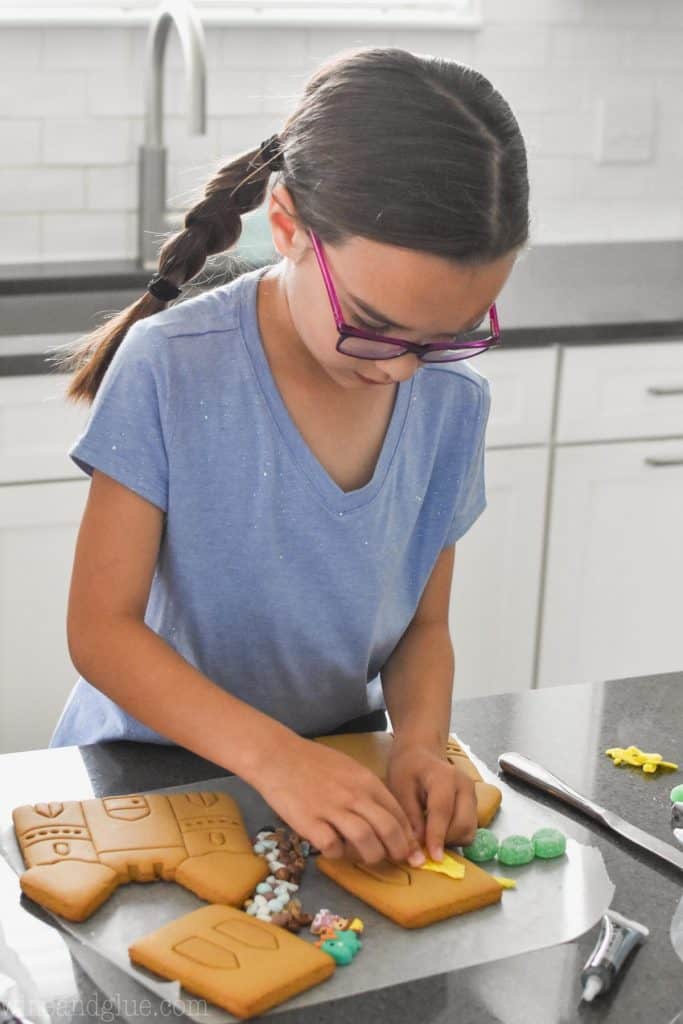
(77, 853)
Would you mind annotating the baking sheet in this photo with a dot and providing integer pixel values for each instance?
(556, 901)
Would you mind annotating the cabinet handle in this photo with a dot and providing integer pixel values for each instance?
(652, 460)
(658, 391)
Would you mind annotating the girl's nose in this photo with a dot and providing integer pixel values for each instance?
(399, 369)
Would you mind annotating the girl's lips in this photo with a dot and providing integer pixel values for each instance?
(368, 380)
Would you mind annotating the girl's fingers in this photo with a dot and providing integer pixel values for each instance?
(440, 809)
(326, 839)
(359, 835)
(463, 825)
(389, 832)
(407, 793)
(382, 795)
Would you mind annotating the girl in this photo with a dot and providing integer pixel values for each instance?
(281, 465)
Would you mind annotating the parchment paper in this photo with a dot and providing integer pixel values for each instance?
(556, 901)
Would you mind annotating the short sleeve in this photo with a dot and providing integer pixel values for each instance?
(471, 500)
(127, 431)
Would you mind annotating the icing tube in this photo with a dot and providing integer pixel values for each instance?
(618, 936)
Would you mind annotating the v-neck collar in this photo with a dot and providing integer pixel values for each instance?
(332, 494)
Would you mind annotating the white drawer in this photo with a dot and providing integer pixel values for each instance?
(38, 425)
(610, 392)
(522, 389)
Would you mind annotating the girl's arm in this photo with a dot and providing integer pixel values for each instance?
(417, 682)
(333, 801)
(114, 649)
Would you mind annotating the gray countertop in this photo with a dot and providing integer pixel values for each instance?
(570, 293)
(567, 729)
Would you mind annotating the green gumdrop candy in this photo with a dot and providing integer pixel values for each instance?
(484, 846)
(549, 842)
(516, 850)
(677, 795)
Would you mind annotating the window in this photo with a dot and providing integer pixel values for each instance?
(379, 13)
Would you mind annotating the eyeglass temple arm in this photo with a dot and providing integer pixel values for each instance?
(336, 308)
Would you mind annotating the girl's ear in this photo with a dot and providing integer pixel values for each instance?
(289, 237)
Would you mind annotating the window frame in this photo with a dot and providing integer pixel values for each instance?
(394, 14)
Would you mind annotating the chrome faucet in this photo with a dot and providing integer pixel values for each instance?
(153, 217)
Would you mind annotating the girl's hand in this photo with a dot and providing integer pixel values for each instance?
(340, 806)
(427, 785)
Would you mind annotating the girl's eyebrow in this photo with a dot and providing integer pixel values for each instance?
(369, 311)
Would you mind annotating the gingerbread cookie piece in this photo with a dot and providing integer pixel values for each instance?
(413, 897)
(242, 965)
(78, 852)
(372, 749)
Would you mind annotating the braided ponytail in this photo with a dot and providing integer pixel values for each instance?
(212, 225)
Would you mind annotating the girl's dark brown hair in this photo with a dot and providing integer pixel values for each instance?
(406, 149)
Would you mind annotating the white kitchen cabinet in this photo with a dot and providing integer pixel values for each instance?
(38, 528)
(621, 392)
(522, 382)
(496, 577)
(497, 572)
(37, 428)
(612, 605)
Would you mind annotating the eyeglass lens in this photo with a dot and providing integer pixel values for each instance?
(363, 348)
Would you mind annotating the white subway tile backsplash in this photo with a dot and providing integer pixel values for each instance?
(238, 134)
(565, 12)
(653, 50)
(281, 91)
(575, 178)
(85, 141)
(20, 142)
(235, 92)
(72, 48)
(86, 235)
(111, 188)
(32, 189)
(669, 13)
(29, 93)
(511, 46)
(620, 12)
(19, 237)
(119, 93)
(460, 46)
(20, 48)
(609, 220)
(581, 46)
(263, 48)
(325, 42)
(186, 148)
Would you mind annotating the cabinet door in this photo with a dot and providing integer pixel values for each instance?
(496, 578)
(37, 427)
(38, 527)
(522, 384)
(615, 563)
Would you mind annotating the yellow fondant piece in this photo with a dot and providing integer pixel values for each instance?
(505, 883)
(448, 866)
(634, 756)
(357, 926)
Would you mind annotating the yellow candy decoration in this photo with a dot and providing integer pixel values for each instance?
(634, 756)
(448, 866)
(505, 883)
(357, 926)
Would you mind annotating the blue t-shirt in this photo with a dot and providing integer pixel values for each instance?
(282, 588)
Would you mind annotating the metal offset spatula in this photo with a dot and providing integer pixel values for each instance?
(522, 768)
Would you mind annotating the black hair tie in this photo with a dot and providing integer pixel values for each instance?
(161, 288)
(270, 152)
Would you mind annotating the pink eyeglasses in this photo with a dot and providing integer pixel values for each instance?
(368, 344)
